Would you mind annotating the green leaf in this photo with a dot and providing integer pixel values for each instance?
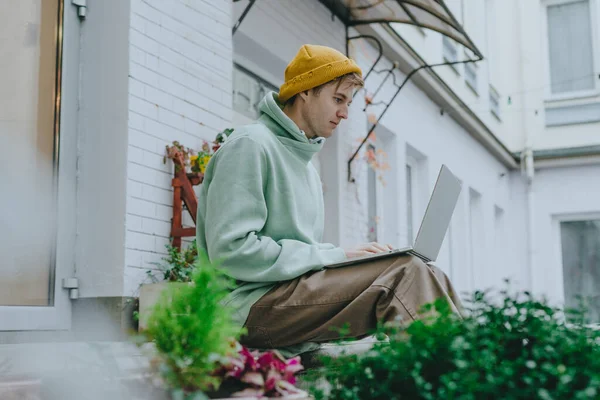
(191, 329)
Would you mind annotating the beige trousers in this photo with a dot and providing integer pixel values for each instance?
(313, 307)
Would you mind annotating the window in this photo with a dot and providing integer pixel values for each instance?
(248, 91)
(581, 264)
(29, 128)
(416, 190)
(471, 76)
(450, 240)
(570, 47)
(494, 102)
(460, 271)
(410, 212)
(499, 243)
(450, 52)
(372, 199)
(476, 235)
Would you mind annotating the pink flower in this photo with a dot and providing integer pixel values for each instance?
(250, 363)
(254, 378)
(271, 360)
(264, 374)
(292, 367)
(235, 368)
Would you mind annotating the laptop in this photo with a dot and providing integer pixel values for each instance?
(433, 227)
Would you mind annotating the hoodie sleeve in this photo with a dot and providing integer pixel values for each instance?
(236, 212)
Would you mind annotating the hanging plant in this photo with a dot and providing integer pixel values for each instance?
(195, 162)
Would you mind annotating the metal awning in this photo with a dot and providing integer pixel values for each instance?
(429, 14)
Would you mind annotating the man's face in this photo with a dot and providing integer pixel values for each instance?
(323, 112)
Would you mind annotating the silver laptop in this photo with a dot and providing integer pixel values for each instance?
(433, 228)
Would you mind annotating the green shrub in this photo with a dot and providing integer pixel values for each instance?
(192, 330)
(515, 348)
(178, 265)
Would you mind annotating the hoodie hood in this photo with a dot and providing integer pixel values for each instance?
(286, 130)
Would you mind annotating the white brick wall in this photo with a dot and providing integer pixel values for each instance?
(179, 89)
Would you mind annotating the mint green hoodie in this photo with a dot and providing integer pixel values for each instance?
(260, 208)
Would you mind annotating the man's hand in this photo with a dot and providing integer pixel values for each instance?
(367, 250)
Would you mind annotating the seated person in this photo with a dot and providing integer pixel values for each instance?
(260, 211)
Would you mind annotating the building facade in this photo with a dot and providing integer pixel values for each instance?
(92, 108)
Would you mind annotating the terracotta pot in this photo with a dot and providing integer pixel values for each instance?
(195, 178)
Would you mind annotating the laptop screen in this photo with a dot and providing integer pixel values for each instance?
(438, 214)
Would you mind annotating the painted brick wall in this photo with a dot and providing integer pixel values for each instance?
(179, 89)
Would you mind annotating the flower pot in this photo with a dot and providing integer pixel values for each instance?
(195, 178)
(149, 295)
(301, 395)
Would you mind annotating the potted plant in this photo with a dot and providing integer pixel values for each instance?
(177, 268)
(193, 161)
(256, 375)
(514, 348)
(195, 350)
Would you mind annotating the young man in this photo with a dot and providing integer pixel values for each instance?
(260, 211)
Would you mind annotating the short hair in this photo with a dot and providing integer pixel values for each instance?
(353, 78)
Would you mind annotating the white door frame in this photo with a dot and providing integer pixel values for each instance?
(58, 316)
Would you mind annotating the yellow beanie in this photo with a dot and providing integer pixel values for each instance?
(313, 66)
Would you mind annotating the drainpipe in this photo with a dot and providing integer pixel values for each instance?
(528, 172)
(529, 127)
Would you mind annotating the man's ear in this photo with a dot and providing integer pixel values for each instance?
(303, 95)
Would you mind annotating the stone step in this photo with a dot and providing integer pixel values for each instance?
(20, 388)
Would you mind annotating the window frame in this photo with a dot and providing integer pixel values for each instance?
(240, 117)
(474, 88)
(378, 197)
(476, 229)
(558, 272)
(448, 43)
(414, 211)
(460, 267)
(549, 97)
(500, 248)
(494, 95)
